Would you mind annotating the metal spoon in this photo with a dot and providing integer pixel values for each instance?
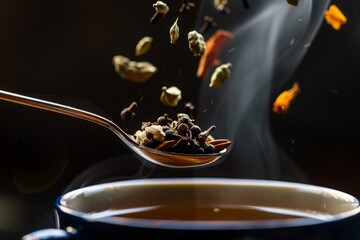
(162, 158)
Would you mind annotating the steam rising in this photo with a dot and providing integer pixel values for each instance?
(270, 39)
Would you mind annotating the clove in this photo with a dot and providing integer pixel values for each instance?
(180, 145)
(203, 135)
(189, 109)
(128, 114)
(186, 5)
(209, 22)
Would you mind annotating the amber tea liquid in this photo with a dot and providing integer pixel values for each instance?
(207, 212)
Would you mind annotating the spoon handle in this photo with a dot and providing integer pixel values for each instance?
(63, 109)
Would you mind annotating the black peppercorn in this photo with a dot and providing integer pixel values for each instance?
(163, 120)
(165, 128)
(182, 129)
(195, 148)
(171, 135)
(195, 130)
(208, 148)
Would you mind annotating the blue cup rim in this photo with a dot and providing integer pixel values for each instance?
(210, 225)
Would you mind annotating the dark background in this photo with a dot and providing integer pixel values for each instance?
(62, 50)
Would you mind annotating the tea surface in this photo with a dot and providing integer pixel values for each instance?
(191, 212)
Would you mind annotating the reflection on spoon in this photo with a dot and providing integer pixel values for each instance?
(162, 158)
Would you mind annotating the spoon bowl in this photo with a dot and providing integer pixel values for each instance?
(162, 158)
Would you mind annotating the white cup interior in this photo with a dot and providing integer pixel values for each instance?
(322, 204)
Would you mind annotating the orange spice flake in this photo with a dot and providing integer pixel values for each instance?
(283, 101)
(214, 47)
(335, 17)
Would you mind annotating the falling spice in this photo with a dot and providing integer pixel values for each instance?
(335, 17)
(222, 6)
(293, 2)
(196, 43)
(186, 5)
(214, 47)
(128, 114)
(246, 4)
(209, 22)
(170, 96)
(220, 75)
(189, 109)
(143, 46)
(174, 32)
(161, 9)
(283, 101)
(135, 71)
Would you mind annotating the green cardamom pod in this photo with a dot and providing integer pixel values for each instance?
(133, 71)
(161, 7)
(196, 43)
(170, 96)
(220, 75)
(143, 46)
(174, 32)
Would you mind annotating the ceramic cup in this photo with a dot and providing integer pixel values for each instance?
(204, 208)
